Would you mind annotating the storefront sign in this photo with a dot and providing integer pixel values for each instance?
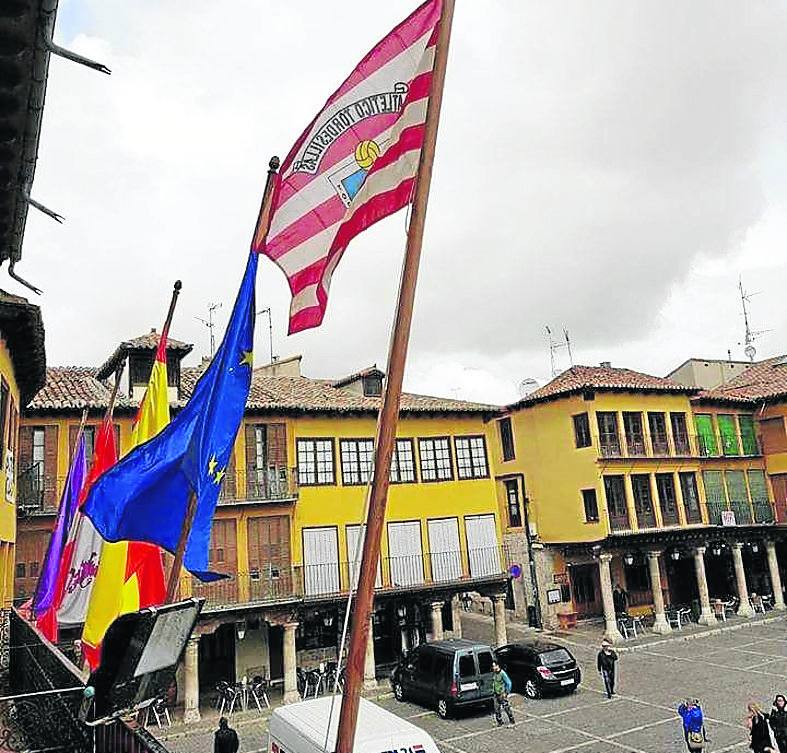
(560, 579)
(553, 596)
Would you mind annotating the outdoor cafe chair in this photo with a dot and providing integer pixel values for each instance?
(161, 712)
(259, 691)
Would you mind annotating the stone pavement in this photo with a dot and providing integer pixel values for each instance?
(724, 669)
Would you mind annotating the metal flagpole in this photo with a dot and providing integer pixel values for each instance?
(389, 412)
(260, 231)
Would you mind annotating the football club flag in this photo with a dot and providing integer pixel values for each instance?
(145, 497)
(130, 573)
(355, 163)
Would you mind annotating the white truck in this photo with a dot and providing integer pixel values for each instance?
(301, 728)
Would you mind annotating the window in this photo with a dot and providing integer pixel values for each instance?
(665, 485)
(403, 462)
(471, 457)
(512, 501)
(738, 495)
(635, 436)
(706, 436)
(748, 435)
(90, 442)
(435, 459)
(680, 434)
(715, 496)
(691, 499)
(643, 501)
(38, 453)
(34, 569)
(466, 666)
(615, 491)
(506, 438)
(657, 424)
(315, 462)
(774, 438)
(484, 662)
(373, 385)
(582, 436)
(729, 435)
(763, 511)
(357, 457)
(591, 505)
(608, 434)
(20, 570)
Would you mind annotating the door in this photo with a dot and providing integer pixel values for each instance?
(223, 558)
(320, 561)
(482, 550)
(31, 549)
(353, 549)
(405, 553)
(444, 550)
(779, 483)
(270, 572)
(585, 590)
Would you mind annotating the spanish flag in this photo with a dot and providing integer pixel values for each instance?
(130, 573)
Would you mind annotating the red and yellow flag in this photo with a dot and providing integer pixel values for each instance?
(130, 573)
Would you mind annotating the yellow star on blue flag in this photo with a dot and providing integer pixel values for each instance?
(248, 358)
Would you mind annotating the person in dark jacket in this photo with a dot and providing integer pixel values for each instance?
(693, 724)
(605, 661)
(778, 720)
(226, 739)
(620, 599)
(757, 722)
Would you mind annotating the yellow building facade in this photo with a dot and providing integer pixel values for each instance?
(631, 480)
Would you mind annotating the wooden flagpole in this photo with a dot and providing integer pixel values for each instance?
(389, 412)
(260, 231)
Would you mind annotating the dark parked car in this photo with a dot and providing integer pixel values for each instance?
(446, 675)
(539, 667)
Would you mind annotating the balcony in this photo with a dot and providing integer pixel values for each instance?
(763, 511)
(273, 485)
(37, 492)
(330, 580)
(742, 510)
(619, 523)
(716, 447)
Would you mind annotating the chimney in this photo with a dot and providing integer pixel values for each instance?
(152, 330)
(606, 364)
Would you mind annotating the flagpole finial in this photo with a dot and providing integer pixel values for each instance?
(274, 164)
(178, 285)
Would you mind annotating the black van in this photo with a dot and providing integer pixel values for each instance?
(445, 674)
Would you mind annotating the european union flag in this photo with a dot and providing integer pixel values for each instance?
(144, 497)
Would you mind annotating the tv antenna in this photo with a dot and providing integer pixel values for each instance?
(211, 325)
(267, 311)
(751, 335)
(526, 386)
(555, 347)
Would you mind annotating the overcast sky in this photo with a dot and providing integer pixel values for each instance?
(608, 167)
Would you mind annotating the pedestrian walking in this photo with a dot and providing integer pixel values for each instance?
(778, 722)
(693, 724)
(605, 661)
(226, 739)
(759, 731)
(620, 599)
(501, 687)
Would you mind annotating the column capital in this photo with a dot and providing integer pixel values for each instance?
(736, 545)
(439, 604)
(605, 557)
(699, 551)
(499, 597)
(770, 544)
(654, 554)
(194, 639)
(290, 625)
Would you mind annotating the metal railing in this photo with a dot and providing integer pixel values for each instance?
(37, 491)
(715, 447)
(742, 510)
(619, 522)
(270, 485)
(763, 511)
(298, 582)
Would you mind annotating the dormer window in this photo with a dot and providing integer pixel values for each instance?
(373, 385)
(140, 364)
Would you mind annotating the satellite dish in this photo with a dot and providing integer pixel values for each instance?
(526, 386)
(750, 352)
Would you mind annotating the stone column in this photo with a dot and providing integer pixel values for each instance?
(660, 626)
(776, 578)
(744, 610)
(611, 633)
(706, 613)
(456, 616)
(369, 667)
(437, 621)
(499, 608)
(191, 666)
(290, 658)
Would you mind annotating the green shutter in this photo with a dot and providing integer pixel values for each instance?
(748, 436)
(759, 492)
(739, 496)
(714, 488)
(729, 435)
(706, 434)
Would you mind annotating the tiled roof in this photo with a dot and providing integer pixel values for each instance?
(301, 394)
(148, 341)
(581, 378)
(74, 388)
(764, 380)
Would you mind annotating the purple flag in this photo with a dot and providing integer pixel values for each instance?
(47, 581)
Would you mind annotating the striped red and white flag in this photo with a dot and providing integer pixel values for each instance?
(355, 163)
